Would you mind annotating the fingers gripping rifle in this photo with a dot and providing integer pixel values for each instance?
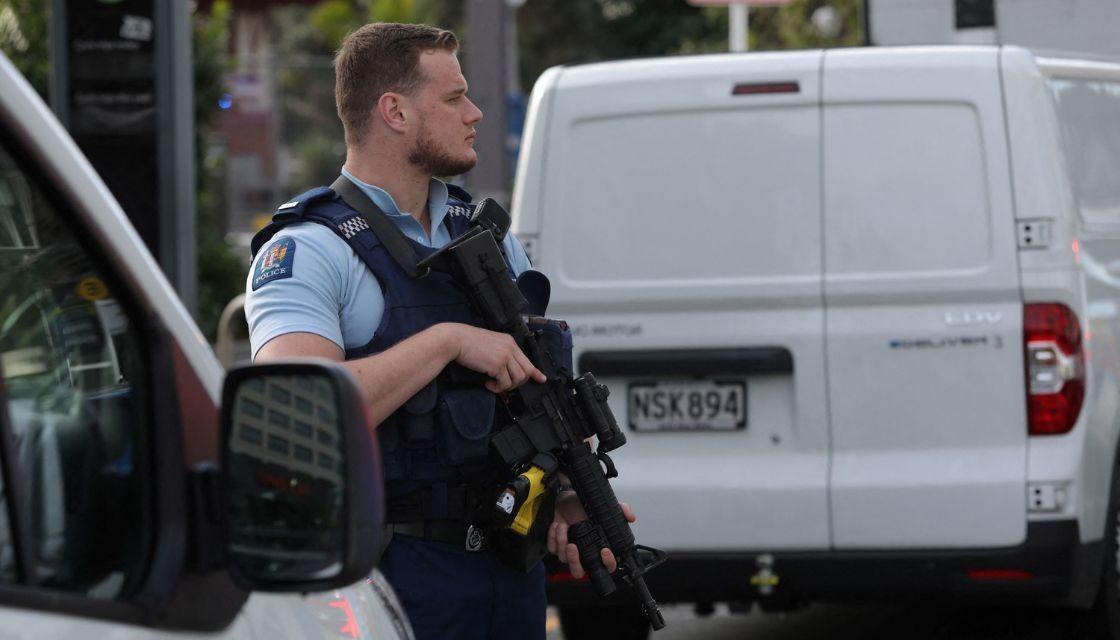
(551, 421)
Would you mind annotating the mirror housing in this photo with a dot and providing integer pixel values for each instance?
(302, 494)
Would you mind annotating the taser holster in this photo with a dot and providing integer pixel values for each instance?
(523, 512)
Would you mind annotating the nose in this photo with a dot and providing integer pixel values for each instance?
(474, 114)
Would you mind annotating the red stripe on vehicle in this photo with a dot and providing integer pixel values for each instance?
(197, 412)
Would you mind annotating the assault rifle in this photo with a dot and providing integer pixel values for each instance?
(549, 423)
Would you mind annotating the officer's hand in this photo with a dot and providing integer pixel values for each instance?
(568, 512)
(495, 354)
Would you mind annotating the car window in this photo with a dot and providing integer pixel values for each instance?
(72, 367)
(1090, 114)
(884, 216)
(784, 195)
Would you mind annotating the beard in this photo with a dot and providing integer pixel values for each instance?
(435, 161)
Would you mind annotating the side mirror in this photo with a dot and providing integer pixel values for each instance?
(301, 478)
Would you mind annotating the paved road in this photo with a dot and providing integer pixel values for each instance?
(868, 622)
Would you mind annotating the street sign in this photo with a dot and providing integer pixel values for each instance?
(123, 87)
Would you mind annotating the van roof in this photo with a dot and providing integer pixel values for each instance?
(670, 67)
(615, 71)
(1068, 65)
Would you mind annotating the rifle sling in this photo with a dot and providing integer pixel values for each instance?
(390, 236)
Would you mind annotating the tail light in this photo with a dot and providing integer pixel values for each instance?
(1055, 367)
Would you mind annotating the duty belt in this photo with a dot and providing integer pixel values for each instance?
(454, 515)
(469, 537)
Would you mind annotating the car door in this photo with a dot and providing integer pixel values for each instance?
(923, 300)
(107, 393)
(681, 228)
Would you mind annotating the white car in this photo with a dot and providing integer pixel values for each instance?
(117, 520)
(858, 310)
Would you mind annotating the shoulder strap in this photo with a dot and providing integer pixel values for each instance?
(387, 232)
(288, 213)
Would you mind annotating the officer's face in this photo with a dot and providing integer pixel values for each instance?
(443, 136)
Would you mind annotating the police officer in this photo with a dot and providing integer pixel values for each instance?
(324, 284)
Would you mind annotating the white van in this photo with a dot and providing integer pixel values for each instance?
(858, 310)
(115, 520)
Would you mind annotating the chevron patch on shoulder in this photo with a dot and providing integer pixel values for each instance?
(353, 226)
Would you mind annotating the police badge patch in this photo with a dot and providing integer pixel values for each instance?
(276, 263)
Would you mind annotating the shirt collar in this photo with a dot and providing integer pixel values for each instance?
(437, 200)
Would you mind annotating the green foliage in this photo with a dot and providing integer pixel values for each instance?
(332, 20)
(24, 39)
(791, 27)
(303, 54)
(221, 271)
(576, 31)
(211, 62)
(393, 11)
(320, 156)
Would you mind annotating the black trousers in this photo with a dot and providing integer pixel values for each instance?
(450, 593)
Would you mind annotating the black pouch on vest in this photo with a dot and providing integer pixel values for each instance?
(417, 417)
(394, 463)
(410, 429)
(465, 419)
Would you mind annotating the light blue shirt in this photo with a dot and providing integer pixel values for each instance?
(327, 289)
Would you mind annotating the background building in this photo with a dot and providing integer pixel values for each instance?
(1083, 26)
(248, 130)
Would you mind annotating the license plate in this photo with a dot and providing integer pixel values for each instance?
(692, 405)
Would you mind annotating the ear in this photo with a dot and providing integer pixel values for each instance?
(391, 110)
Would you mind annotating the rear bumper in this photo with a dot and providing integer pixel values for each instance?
(1051, 566)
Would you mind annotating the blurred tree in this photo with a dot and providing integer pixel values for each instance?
(575, 31)
(221, 271)
(24, 40)
(791, 26)
(310, 132)
(551, 33)
(335, 18)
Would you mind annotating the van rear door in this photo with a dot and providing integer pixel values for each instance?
(923, 305)
(680, 223)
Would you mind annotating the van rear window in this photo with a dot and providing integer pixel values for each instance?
(1090, 114)
(689, 195)
(905, 189)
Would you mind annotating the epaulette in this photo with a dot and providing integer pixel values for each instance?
(458, 193)
(288, 213)
(295, 207)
